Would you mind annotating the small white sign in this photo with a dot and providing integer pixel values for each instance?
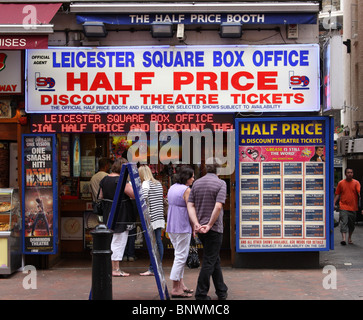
(10, 72)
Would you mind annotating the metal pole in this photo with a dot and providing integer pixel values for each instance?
(101, 264)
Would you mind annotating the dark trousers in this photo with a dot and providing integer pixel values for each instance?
(211, 266)
(130, 246)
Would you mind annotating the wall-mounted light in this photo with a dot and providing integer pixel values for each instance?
(162, 30)
(94, 29)
(180, 32)
(230, 30)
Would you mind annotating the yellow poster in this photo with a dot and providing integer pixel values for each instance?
(3, 253)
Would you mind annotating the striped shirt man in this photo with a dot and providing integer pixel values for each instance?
(205, 192)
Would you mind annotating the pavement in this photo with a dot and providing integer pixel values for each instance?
(339, 277)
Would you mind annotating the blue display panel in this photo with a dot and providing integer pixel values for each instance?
(284, 189)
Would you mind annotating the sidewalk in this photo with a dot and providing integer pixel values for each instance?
(67, 281)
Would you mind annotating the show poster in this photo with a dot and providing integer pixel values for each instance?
(283, 198)
(39, 197)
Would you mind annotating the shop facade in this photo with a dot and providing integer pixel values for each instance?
(164, 99)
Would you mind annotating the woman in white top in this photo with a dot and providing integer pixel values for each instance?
(153, 193)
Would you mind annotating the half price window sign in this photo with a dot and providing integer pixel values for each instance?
(181, 79)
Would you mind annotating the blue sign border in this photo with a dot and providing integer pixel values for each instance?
(329, 180)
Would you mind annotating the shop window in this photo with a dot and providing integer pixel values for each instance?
(79, 156)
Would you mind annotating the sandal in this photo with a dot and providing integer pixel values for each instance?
(186, 290)
(147, 273)
(119, 273)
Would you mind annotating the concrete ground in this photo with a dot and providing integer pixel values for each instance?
(340, 277)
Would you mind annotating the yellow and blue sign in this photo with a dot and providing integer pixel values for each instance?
(284, 184)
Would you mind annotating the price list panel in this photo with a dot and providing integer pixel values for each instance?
(282, 187)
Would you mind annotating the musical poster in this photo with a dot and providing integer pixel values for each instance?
(39, 196)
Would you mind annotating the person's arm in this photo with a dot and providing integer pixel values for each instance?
(193, 217)
(337, 194)
(213, 218)
(145, 190)
(186, 195)
(129, 190)
(336, 197)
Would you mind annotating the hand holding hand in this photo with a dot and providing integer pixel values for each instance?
(196, 229)
(204, 228)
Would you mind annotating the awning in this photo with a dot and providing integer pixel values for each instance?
(122, 13)
(27, 18)
(193, 7)
(209, 18)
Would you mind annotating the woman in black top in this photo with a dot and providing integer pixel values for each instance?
(124, 217)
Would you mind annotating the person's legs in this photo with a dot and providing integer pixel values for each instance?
(159, 243)
(180, 242)
(118, 245)
(351, 225)
(212, 242)
(130, 246)
(343, 217)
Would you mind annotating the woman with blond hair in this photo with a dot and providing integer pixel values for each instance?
(152, 191)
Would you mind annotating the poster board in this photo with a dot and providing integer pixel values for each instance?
(132, 171)
(39, 194)
(284, 184)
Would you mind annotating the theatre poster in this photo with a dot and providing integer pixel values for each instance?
(39, 194)
(284, 187)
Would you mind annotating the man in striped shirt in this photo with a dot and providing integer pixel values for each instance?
(205, 208)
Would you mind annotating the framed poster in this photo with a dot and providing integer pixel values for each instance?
(284, 192)
(39, 194)
(72, 228)
(5, 108)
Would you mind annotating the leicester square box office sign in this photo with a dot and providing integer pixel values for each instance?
(284, 184)
(39, 196)
(193, 79)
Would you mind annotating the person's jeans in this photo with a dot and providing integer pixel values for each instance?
(211, 266)
(157, 233)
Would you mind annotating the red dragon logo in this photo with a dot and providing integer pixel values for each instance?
(3, 57)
